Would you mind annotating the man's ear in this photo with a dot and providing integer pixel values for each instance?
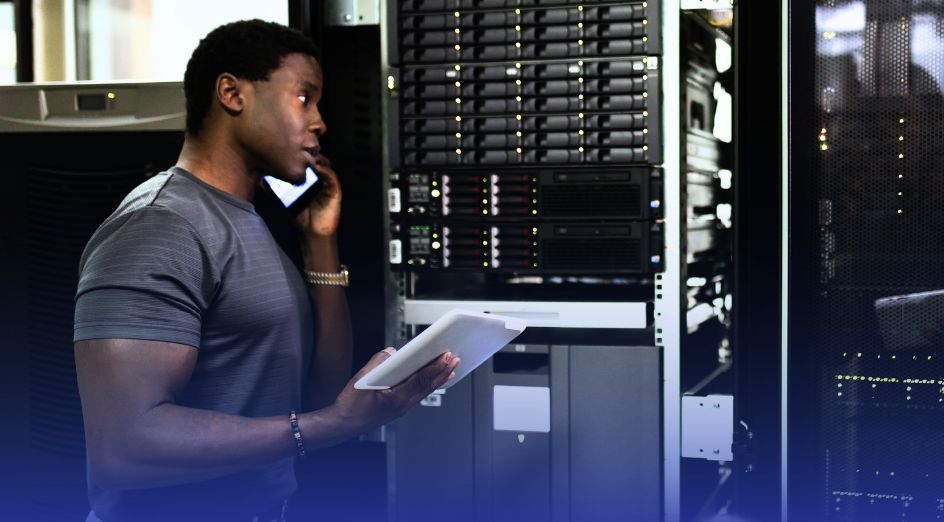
(229, 92)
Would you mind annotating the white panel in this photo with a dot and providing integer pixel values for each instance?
(706, 4)
(522, 408)
(708, 427)
(542, 314)
(52, 107)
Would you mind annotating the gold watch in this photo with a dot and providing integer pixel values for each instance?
(327, 278)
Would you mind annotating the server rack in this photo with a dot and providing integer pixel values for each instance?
(79, 149)
(865, 264)
(535, 166)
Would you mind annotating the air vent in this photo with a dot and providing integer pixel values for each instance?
(592, 200)
(63, 209)
(596, 254)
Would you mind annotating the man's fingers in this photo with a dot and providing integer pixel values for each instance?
(443, 377)
(433, 376)
(436, 382)
(423, 377)
(381, 356)
(323, 165)
(377, 358)
(321, 159)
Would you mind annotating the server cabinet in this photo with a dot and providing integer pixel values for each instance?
(558, 160)
(66, 171)
(867, 269)
(531, 437)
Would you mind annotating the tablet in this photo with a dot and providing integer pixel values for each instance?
(472, 336)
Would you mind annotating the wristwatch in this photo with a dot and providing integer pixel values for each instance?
(327, 278)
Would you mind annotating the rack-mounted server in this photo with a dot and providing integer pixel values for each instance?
(485, 195)
(561, 112)
(558, 247)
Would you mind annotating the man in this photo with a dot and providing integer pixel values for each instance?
(196, 340)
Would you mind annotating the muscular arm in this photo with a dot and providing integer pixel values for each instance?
(138, 437)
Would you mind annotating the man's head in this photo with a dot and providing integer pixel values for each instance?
(249, 50)
(260, 79)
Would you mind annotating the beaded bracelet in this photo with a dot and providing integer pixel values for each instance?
(296, 432)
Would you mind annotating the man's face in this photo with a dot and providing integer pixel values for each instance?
(282, 123)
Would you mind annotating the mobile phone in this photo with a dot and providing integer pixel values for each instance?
(294, 196)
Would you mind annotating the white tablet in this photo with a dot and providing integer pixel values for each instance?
(472, 336)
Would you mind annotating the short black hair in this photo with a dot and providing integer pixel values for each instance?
(248, 49)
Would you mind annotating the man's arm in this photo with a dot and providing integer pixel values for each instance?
(317, 226)
(138, 437)
(331, 360)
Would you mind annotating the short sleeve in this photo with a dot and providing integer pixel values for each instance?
(146, 275)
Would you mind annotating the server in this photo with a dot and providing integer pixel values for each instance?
(486, 99)
(525, 146)
(78, 151)
(563, 432)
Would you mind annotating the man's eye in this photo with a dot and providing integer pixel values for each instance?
(303, 98)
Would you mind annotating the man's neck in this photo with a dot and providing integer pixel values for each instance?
(216, 162)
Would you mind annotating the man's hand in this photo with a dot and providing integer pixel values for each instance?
(364, 410)
(320, 218)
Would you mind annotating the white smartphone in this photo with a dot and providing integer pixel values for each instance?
(293, 196)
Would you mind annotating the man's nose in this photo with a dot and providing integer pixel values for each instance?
(318, 126)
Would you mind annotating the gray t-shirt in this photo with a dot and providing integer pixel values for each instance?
(181, 261)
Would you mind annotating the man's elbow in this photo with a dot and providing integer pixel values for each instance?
(108, 471)
(113, 468)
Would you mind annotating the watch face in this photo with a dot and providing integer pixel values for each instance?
(289, 194)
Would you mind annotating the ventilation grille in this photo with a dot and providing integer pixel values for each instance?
(878, 174)
(592, 200)
(63, 209)
(596, 254)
